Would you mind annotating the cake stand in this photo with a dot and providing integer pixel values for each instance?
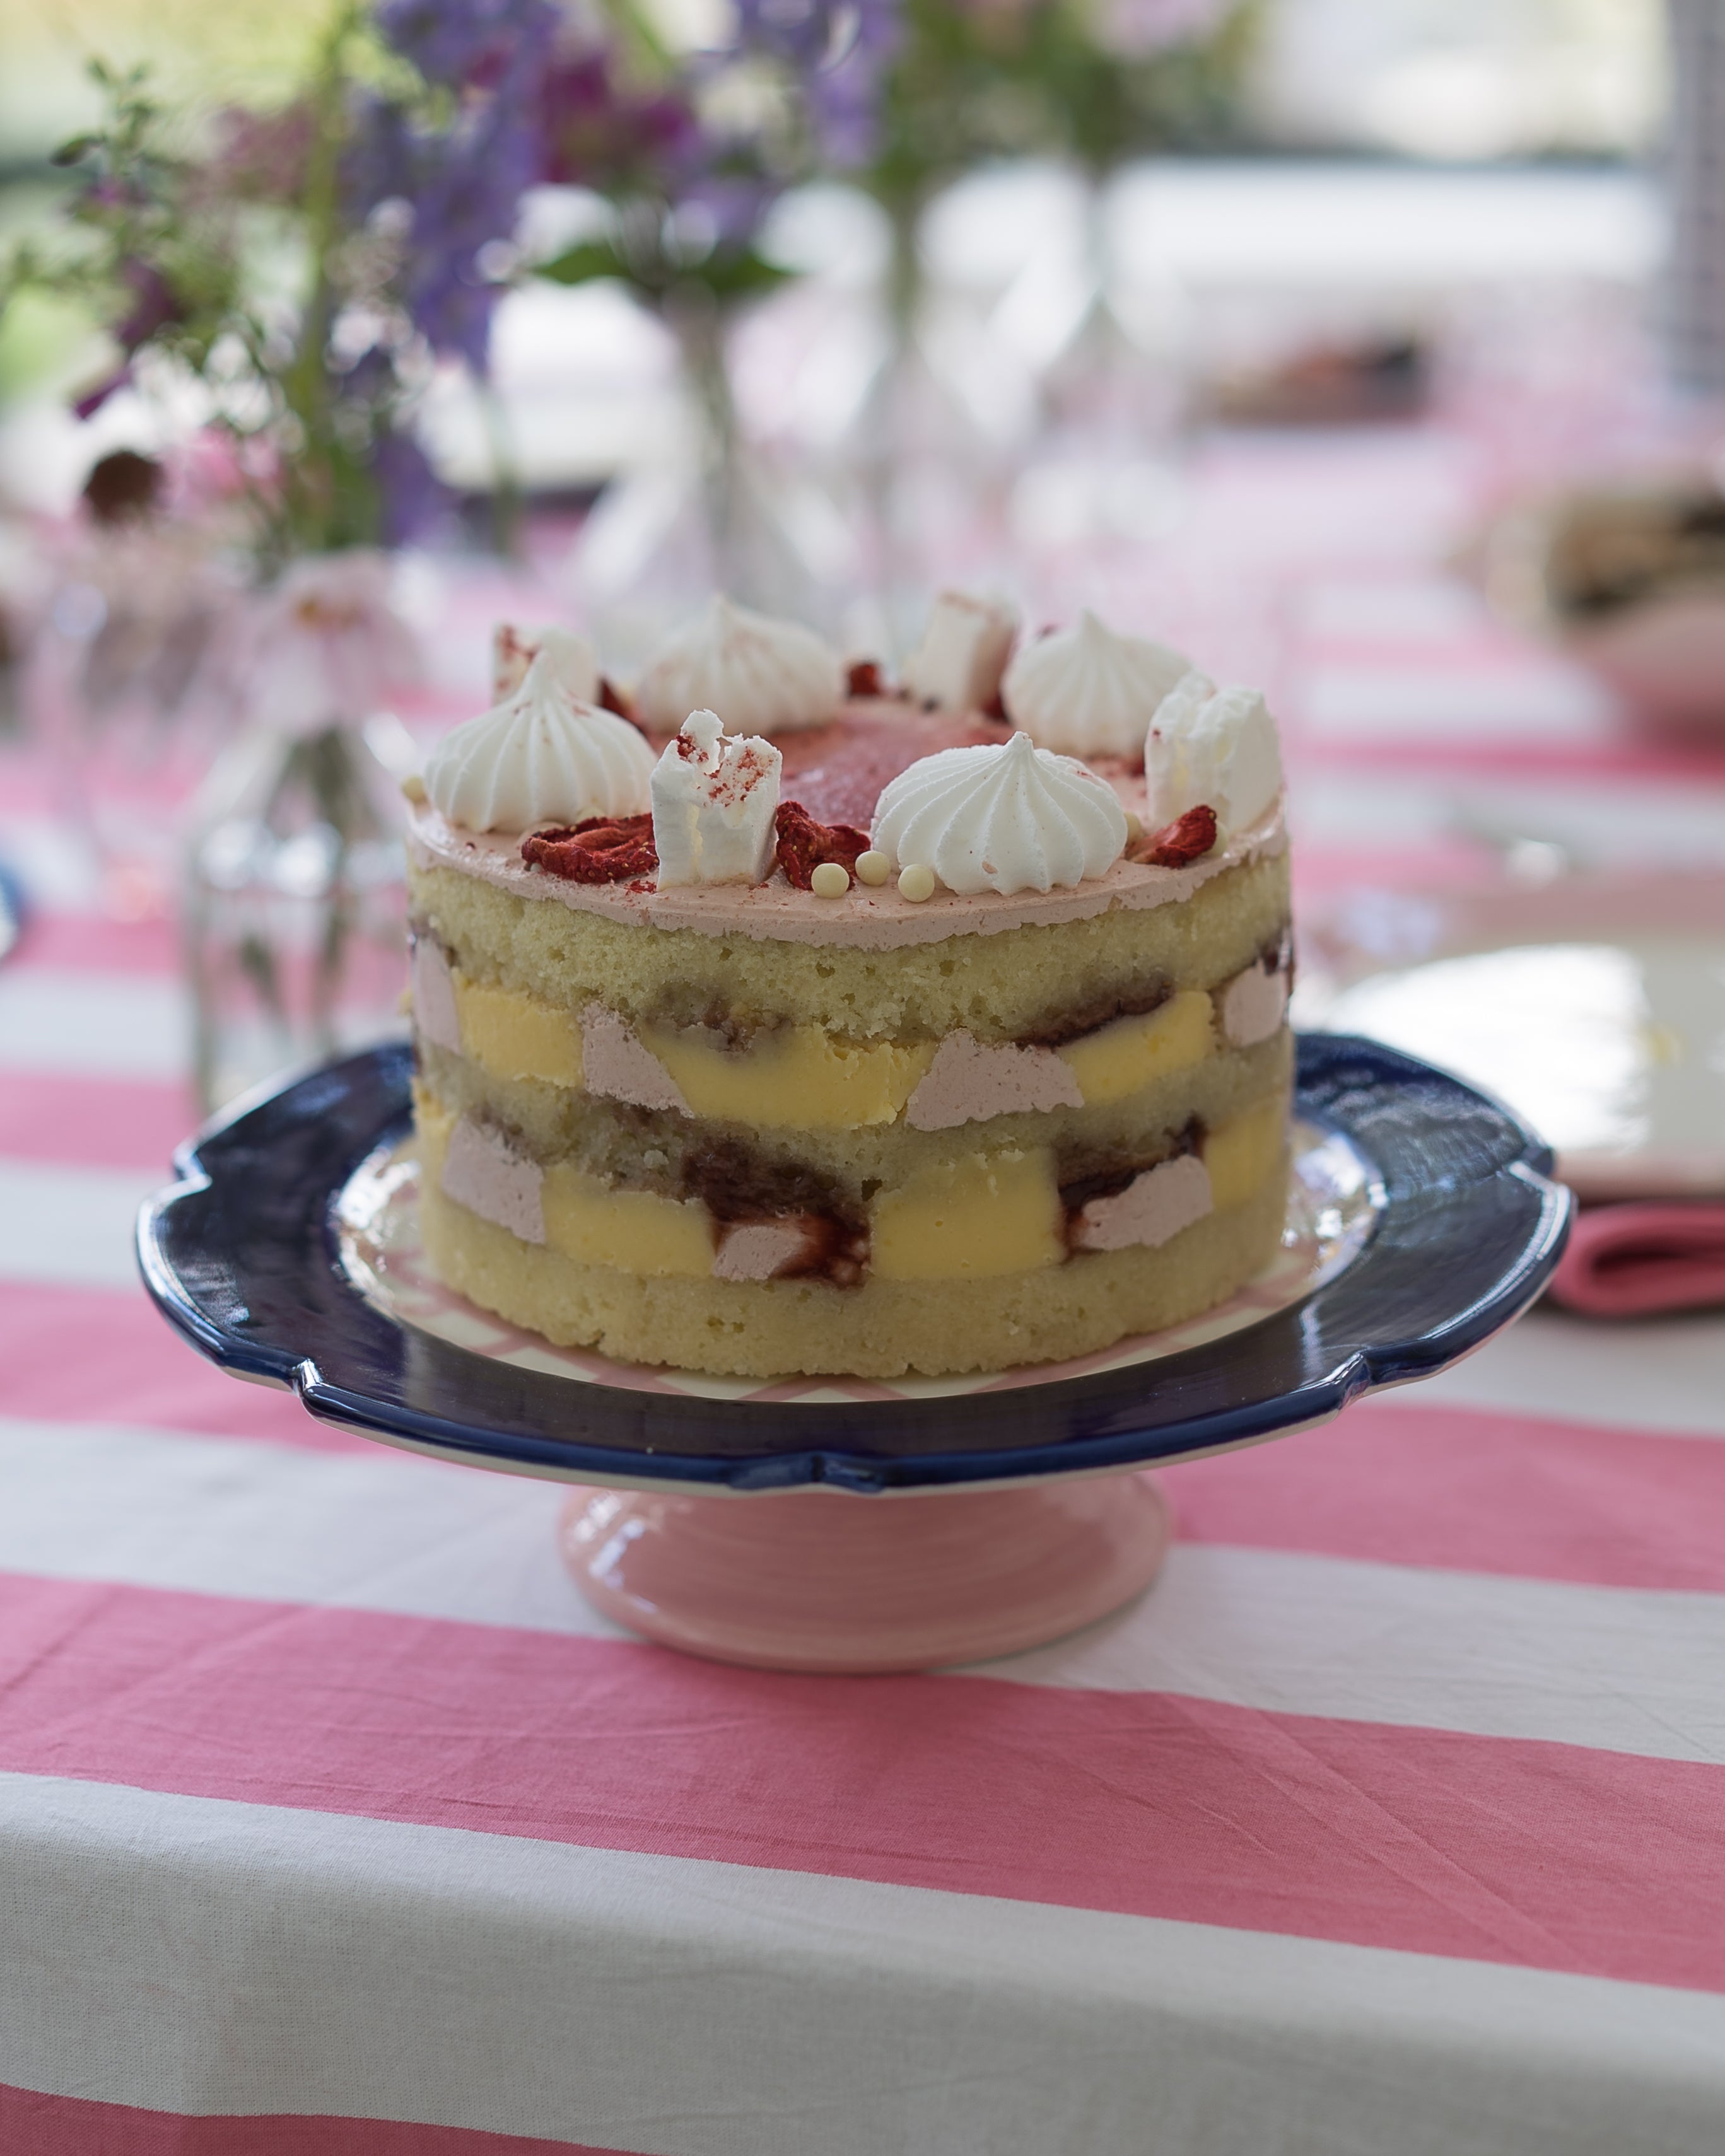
(849, 1525)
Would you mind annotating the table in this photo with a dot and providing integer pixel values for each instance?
(1393, 1819)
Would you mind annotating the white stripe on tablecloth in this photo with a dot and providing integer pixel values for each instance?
(1617, 1669)
(1620, 1668)
(71, 1227)
(1666, 1376)
(92, 1025)
(193, 1954)
(216, 1516)
(1471, 703)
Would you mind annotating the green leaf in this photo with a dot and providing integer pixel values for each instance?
(582, 263)
(740, 276)
(728, 276)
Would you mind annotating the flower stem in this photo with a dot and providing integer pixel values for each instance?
(305, 383)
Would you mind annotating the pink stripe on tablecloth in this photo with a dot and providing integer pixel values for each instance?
(32, 2124)
(1320, 874)
(107, 1355)
(26, 789)
(1469, 1490)
(1530, 1854)
(93, 1122)
(90, 943)
(1633, 756)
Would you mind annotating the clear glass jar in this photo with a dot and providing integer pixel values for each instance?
(294, 904)
(125, 691)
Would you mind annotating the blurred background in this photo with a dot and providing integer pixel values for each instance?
(1372, 354)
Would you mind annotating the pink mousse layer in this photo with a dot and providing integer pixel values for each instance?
(837, 772)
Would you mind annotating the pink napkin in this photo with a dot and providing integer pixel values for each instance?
(1637, 1260)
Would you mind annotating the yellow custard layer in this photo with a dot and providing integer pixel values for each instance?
(984, 1214)
(800, 1077)
(1243, 1152)
(880, 1328)
(589, 1220)
(1121, 1059)
(514, 1035)
(600, 1226)
(643, 1151)
(989, 1214)
(794, 1077)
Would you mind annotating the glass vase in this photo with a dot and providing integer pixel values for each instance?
(710, 509)
(294, 905)
(124, 691)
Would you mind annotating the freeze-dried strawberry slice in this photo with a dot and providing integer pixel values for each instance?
(597, 850)
(1178, 844)
(804, 844)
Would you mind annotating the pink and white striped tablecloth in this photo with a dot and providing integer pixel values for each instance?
(330, 1820)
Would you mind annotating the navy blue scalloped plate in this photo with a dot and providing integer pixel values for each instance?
(242, 1255)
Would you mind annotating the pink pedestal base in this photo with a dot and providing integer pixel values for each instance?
(824, 1580)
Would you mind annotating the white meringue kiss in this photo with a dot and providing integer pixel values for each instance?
(540, 758)
(1002, 819)
(1214, 747)
(759, 675)
(1088, 691)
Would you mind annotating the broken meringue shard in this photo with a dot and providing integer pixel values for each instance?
(715, 796)
(1214, 747)
(958, 663)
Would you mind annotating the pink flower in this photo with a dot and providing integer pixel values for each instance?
(327, 645)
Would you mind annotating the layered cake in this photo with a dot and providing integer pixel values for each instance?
(776, 1020)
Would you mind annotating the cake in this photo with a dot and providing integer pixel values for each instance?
(779, 1021)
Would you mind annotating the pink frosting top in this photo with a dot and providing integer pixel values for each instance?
(840, 771)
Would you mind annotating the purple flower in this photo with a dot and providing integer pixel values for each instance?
(263, 156)
(729, 205)
(411, 495)
(469, 185)
(598, 134)
(840, 49)
(153, 306)
(93, 400)
(463, 181)
(111, 192)
(455, 43)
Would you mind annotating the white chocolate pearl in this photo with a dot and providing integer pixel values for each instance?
(873, 868)
(916, 883)
(414, 787)
(830, 880)
(1134, 828)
